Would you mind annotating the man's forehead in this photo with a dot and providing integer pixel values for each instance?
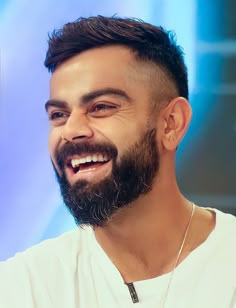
(112, 66)
(118, 62)
(101, 55)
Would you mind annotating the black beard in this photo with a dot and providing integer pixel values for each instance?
(95, 204)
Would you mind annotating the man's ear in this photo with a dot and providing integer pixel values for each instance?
(177, 116)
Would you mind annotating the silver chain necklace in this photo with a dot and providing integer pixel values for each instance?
(178, 256)
(132, 291)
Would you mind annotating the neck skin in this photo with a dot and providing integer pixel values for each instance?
(148, 234)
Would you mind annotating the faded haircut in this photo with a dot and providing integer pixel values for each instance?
(149, 43)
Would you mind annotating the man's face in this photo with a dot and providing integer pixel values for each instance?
(103, 150)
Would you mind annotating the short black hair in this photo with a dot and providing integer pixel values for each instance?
(149, 43)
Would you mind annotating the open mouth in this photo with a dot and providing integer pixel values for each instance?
(87, 162)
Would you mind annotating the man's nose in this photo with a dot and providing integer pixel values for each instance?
(77, 128)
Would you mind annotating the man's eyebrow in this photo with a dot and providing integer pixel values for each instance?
(86, 98)
(55, 103)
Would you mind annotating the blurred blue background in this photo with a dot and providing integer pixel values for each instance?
(30, 205)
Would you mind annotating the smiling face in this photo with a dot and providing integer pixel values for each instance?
(101, 144)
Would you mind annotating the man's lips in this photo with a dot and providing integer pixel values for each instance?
(89, 171)
(78, 162)
(87, 166)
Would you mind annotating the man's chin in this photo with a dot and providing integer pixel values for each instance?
(81, 185)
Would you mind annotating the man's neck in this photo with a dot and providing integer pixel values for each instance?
(143, 239)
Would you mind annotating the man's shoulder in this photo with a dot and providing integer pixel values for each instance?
(225, 220)
(40, 268)
(225, 232)
(71, 240)
(63, 248)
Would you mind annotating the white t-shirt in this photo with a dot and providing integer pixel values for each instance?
(73, 271)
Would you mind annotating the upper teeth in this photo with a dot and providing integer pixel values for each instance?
(88, 159)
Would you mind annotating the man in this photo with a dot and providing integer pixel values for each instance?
(118, 109)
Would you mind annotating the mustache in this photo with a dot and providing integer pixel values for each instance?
(70, 149)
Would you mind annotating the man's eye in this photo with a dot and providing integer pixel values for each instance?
(56, 115)
(103, 107)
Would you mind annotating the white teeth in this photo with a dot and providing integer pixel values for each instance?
(105, 158)
(90, 158)
(82, 160)
(100, 157)
(75, 162)
(95, 157)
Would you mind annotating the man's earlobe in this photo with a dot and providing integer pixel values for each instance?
(177, 116)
